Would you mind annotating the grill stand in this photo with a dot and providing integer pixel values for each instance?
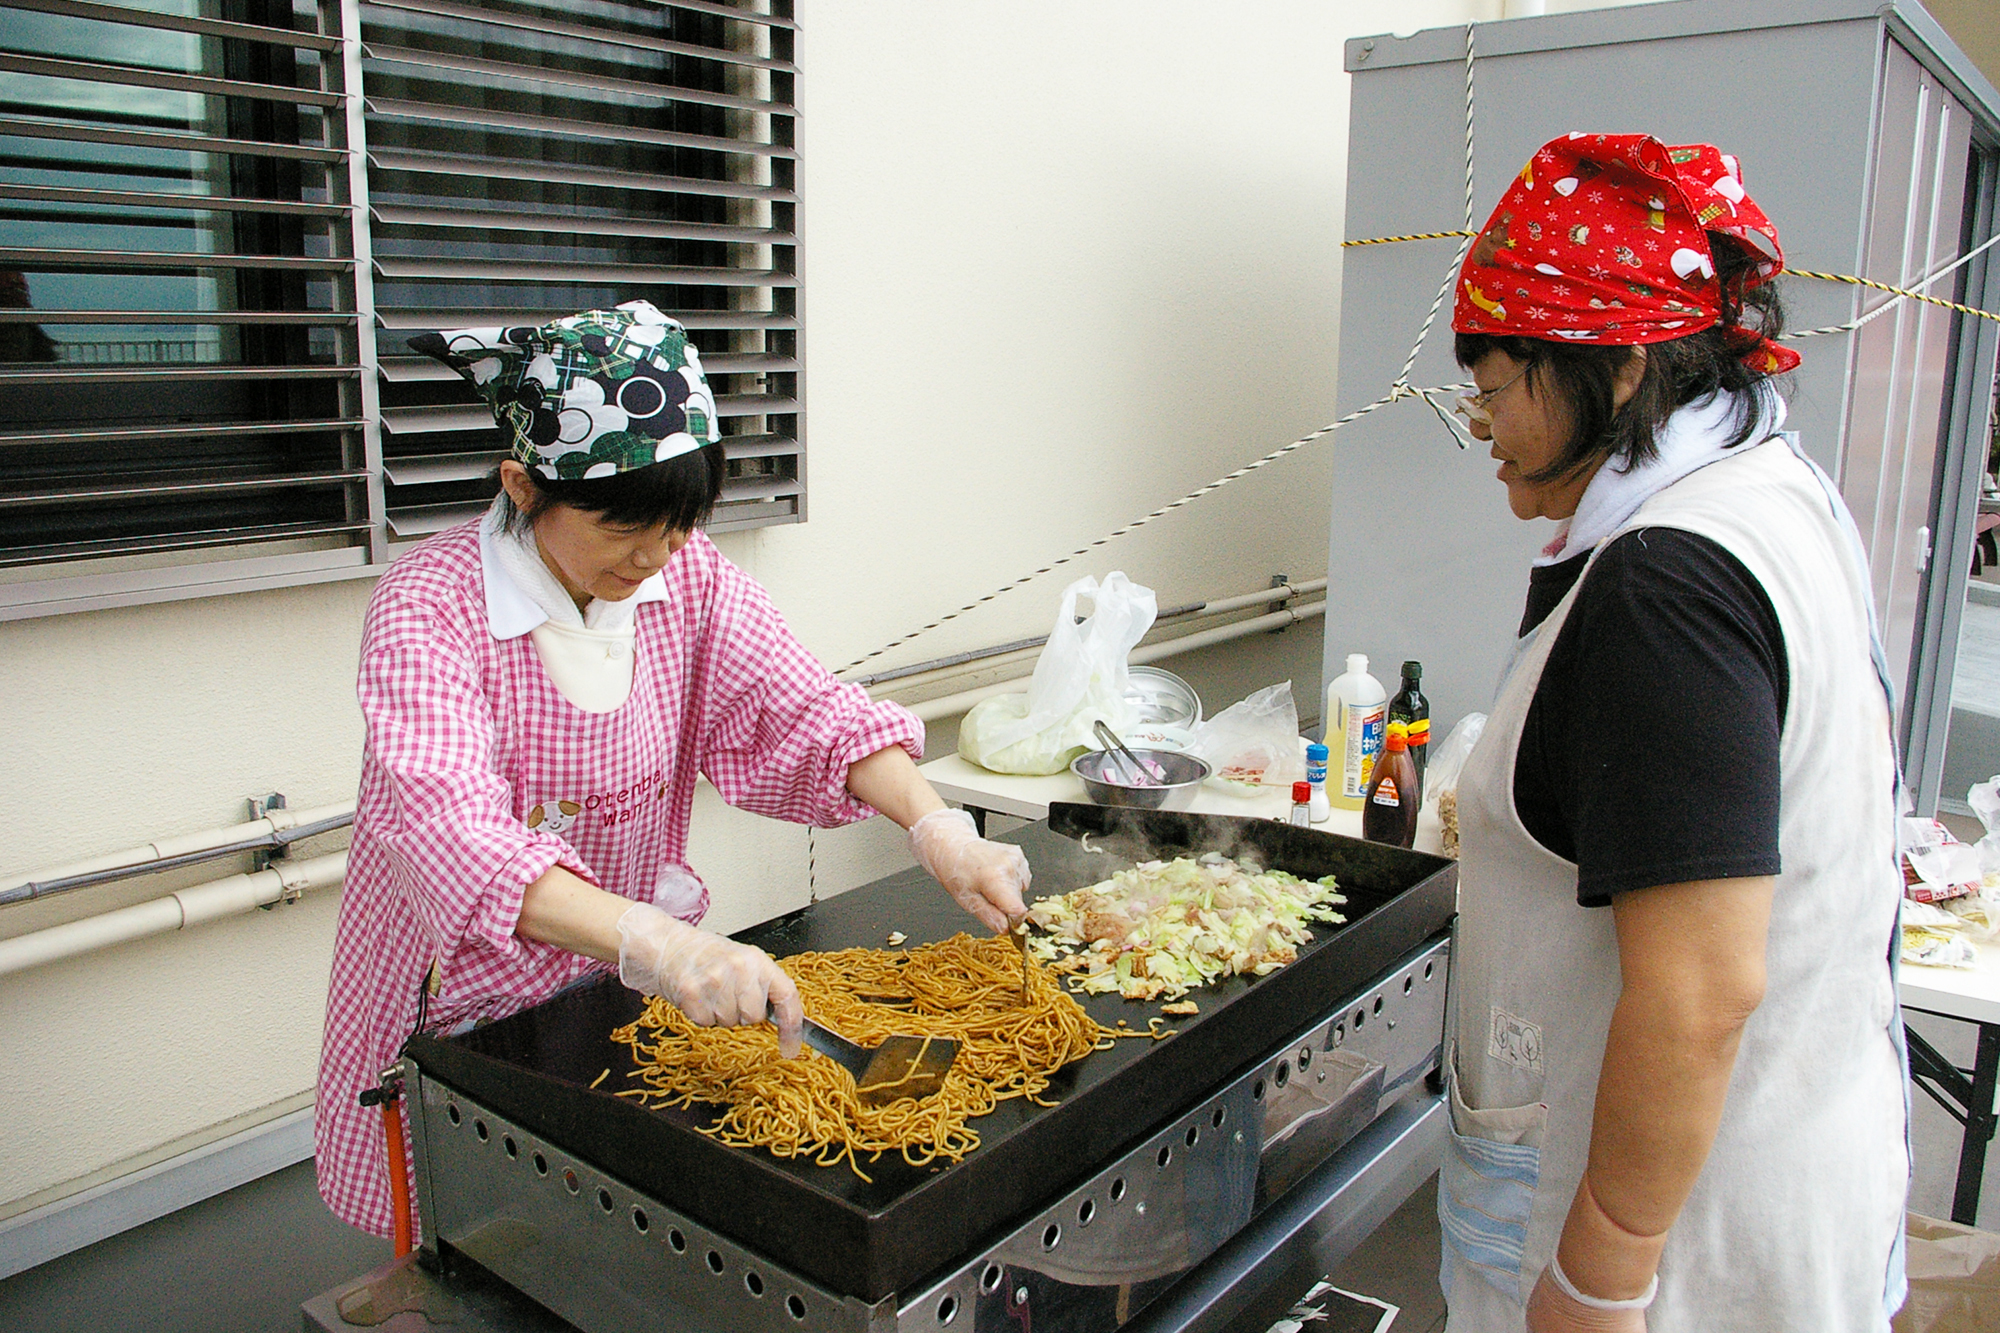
(1176, 1236)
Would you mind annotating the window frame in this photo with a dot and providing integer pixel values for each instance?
(759, 388)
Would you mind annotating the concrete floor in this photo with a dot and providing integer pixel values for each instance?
(1397, 1265)
(241, 1262)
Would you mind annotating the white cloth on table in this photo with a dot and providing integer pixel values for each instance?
(588, 654)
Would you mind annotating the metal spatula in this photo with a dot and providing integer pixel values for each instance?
(1017, 931)
(899, 1067)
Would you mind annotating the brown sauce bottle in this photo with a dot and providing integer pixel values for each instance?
(1389, 812)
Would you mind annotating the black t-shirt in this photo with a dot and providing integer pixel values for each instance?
(1650, 752)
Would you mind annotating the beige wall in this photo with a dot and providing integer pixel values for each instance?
(1063, 264)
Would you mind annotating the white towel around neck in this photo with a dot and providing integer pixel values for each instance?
(589, 653)
(1695, 436)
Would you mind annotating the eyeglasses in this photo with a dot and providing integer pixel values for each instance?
(1474, 408)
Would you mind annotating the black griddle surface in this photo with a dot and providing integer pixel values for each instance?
(870, 1238)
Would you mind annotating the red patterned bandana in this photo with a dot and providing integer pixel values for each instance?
(1603, 238)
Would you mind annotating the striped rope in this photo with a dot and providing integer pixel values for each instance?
(1414, 236)
(1400, 386)
(1468, 127)
(1898, 292)
(1394, 394)
(1890, 304)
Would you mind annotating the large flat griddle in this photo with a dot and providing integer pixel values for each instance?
(871, 1238)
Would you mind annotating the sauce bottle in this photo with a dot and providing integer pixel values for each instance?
(1394, 793)
(1410, 708)
(1356, 708)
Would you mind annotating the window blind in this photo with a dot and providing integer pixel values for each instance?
(220, 225)
(178, 330)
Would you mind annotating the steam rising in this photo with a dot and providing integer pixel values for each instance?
(1134, 836)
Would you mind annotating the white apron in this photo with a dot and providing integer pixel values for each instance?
(1796, 1219)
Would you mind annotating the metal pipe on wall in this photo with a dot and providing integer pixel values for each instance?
(948, 705)
(179, 849)
(905, 677)
(202, 903)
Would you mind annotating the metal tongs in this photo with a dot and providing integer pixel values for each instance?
(1139, 772)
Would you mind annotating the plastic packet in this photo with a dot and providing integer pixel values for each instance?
(1253, 746)
(1932, 916)
(1080, 678)
(1977, 914)
(1441, 777)
(1936, 865)
(1938, 948)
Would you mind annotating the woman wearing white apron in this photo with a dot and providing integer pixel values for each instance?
(1677, 1084)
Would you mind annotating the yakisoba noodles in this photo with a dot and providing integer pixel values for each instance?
(965, 989)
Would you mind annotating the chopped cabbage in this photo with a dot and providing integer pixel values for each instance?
(1160, 929)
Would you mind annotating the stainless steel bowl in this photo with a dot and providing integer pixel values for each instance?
(1163, 698)
(1103, 777)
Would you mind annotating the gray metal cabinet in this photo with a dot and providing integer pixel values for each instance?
(1870, 141)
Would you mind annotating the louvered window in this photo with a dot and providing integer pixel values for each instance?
(205, 296)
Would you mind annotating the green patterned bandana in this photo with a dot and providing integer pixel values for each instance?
(588, 395)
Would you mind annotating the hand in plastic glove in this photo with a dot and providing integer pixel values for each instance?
(716, 982)
(1552, 1310)
(987, 878)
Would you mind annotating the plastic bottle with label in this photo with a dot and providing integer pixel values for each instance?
(1394, 794)
(1356, 708)
(1317, 808)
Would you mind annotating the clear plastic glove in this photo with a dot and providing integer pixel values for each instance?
(1552, 1310)
(716, 982)
(986, 878)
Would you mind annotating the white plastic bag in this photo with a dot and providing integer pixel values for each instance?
(1984, 798)
(1253, 746)
(1441, 777)
(1080, 679)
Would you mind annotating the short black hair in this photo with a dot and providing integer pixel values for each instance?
(1680, 371)
(679, 493)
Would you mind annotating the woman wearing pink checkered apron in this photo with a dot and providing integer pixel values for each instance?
(541, 688)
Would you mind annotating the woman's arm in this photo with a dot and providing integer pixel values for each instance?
(563, 909)
(571, 913)
(888, 782)
(986, 878)
(1692, 959)
(712, 979)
